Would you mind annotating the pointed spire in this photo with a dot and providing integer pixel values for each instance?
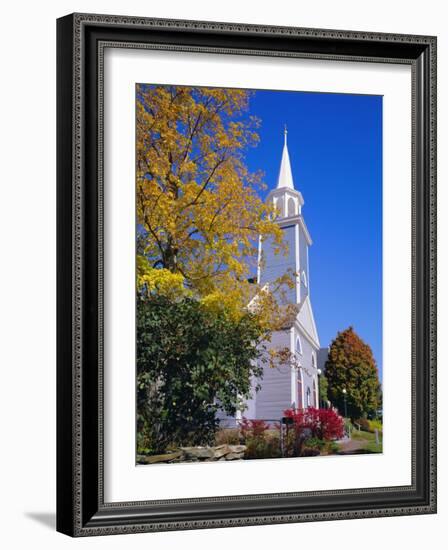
(285, 174)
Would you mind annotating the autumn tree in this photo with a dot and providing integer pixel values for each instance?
(199, 212)
(351, 366)
(200, 321)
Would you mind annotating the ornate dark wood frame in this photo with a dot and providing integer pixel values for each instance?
(81, 39)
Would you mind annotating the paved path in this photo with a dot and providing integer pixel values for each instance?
(350, 446)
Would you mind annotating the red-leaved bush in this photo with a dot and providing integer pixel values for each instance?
(324, 424)
(260, 440)
(253, 428)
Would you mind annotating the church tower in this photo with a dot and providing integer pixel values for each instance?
(288, 386)
(288, 203)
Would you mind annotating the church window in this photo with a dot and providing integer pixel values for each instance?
(298, 345)
(308, 397)
(279, 207)
(291, 207)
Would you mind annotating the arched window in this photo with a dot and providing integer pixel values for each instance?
(291, 207)
(313, 360)
(299, 389)
(308, 397)
(298, 345)
(279, 207)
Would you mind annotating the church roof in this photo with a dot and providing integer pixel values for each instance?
(285, 175)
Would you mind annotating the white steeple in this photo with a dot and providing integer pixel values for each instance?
(285, 175)
(287, 200)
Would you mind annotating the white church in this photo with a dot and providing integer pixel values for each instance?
(289, 385)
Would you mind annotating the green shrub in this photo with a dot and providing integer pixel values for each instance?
(376, 425)
(314, 443)
(144, 442)
(369, 425)
(190, 363)
(262, 447)
(314, 446)
(331, 448)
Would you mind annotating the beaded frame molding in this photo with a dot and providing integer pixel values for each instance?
(81, 40)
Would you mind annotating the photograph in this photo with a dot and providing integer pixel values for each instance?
(258, 260)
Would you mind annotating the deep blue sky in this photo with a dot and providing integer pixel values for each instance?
(335, 147)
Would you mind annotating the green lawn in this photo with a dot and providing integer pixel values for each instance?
(369, 439)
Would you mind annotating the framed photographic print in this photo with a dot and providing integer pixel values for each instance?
(246, 274)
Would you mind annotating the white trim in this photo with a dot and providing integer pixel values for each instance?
(304, 278)
(255, 298)
(293, 371)
(284, 191)
(298, 293)
(306, 334)
(285, 222)
(305, 230)
(314, 340)
(316, 391)
(259, 260)
(308, 268)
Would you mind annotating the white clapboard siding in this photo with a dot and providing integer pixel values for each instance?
(275, 393)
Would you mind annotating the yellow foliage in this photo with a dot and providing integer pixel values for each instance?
(198, 207)
(162, 281)
(219, 301)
